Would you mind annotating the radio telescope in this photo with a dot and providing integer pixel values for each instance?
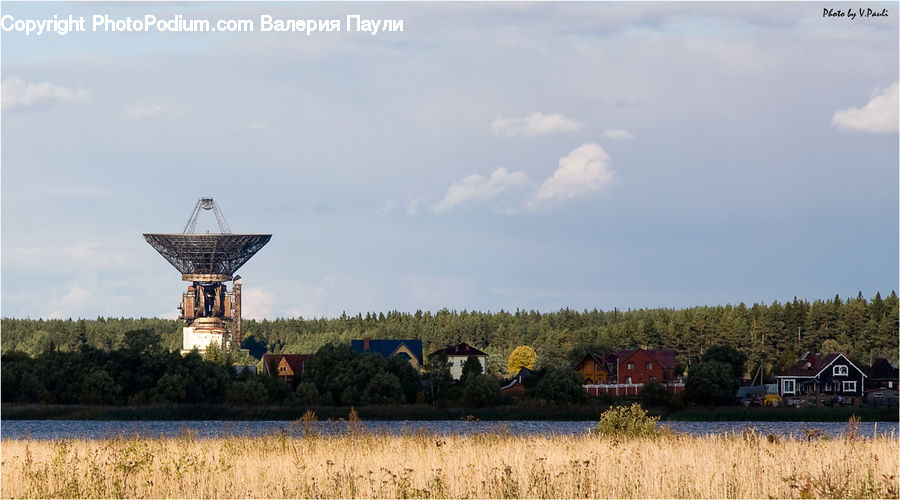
(208, 261)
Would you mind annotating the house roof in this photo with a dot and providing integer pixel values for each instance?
(459, 350)
(387, 347)
(523, 374)
(882, 370)
(665, 357)
(295, 361)
(598, 358)
(811, 367)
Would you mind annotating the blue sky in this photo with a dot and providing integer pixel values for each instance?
(490, 156)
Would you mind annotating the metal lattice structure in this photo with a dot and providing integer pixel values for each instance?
(208, 257)
(206, 204)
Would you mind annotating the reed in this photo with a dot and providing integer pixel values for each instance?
(298, 463)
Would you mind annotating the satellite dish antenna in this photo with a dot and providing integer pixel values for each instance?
(212, 313)
(206, 204)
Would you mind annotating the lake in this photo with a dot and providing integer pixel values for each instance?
(92, 429)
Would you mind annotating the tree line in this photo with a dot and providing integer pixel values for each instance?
(771, 335)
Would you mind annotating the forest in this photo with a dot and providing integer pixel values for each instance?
(773, 335)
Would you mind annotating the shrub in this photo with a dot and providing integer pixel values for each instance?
(481, 391)
(561, 385)
(630, 421)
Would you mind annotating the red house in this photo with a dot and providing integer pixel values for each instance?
(639, 366)
(635, 368)
(287, 367)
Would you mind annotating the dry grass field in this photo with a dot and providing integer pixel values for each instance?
(302, 464)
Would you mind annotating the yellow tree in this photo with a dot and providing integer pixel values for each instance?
(522, 356)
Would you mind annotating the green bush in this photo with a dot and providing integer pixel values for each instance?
(627, 421)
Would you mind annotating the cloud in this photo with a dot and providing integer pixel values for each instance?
(18, 95)
(585, 170)
(880, 115)
(257, 303)
(258, 125)
(76, 297)
(143, 110)
(618, 134)
(478, 189)
(533, 125)
(410, 207)
(78, 193)
(81, 256)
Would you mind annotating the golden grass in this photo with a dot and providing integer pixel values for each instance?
(421, 465)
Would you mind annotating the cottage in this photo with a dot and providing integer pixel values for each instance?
(457, 356)
(596, 368)
(287, 367)
(516, 387)
(639, 366)
(831, 375)
(408, 349)
(883, 374)
(626, 372)
(882, 396)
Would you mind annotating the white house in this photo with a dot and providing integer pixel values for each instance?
(457, 356)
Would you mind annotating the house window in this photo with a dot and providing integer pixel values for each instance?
(648, 365)
(840, 370)
(828, 387)
(652, 379)
(849, 386)
(787, 386)
(282, 369)
(629, 366)
(627, 380)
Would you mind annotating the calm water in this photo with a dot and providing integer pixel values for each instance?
(59, 429)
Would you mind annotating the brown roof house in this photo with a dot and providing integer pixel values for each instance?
(597, 368)
(457, 356)
(640, 366)
(832, 375)
(883, 374)
(287, 367)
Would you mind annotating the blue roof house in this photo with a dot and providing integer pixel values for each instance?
(409, 349)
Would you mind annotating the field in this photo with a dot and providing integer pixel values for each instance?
(301, 464)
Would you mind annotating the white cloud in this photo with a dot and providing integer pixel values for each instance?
(143, 110)
(77, 298)
(880, 115)
(412, 206)
(385, 209)
(617, 134)
(258, 125)
(585, 170)
(17, 94)
(257, 303)
(81, 256)
(533, 125)
(79, 193)
(478, 189)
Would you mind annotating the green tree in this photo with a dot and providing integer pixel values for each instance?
(561, 385)
(437, 377)
(522, 356)
(307, 394)
(482, 390)
(98, 388)
(247, 393)
(711, 383)
(654, 394)
(471, 368)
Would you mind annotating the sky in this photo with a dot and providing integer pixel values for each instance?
(488, 156)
